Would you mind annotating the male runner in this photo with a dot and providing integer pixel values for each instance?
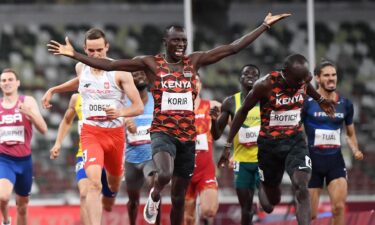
(138, 157)
(203, 181)
(18, 113)
(103, 107)
(245, 147)
(323, 135)
(108, 198)
(281, 141)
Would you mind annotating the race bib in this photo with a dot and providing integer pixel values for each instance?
(95, 108)
(236, 166)
(201, 143)
(142, 136)
(327, 138)
(248, 136)
(285, 118)
(177, 103)
(12, 135)
(79, 165)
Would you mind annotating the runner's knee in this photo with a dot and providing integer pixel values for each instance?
(22, 206)
(114, 187)
(301, 190)
(338, 208)
(133, 203)
(5, 197)
(164, 177)
(94, 186)
(83, 192)
(208, 212)
(189, 219)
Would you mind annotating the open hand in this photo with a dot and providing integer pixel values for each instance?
(328, 107)
(270, 19)
(58, 49)
(224, 159)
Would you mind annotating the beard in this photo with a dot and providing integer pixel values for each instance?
(141, 86)
(328, 89)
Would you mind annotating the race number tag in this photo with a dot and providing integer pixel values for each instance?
(12, 135)
(285, 118)
(201, 143)
(327, 138)
(95, 108)
(79, 165)
(236, 166)
(177, 103)
(248, 136)
(142, 136)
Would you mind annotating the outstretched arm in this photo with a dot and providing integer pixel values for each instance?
(67, 49)
(216, 54)
(64, 127)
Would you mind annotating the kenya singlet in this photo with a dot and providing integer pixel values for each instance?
(281, 113)
(99, 92)
(15, 131)
(174, 93)
(245, 141)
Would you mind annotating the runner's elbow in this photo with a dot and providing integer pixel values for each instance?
(140, 109)
(43, 130)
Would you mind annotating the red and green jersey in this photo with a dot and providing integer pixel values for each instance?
(281, 113)
(174, 93)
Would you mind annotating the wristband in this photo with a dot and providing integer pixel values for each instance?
(228, 145)
(265, 24)
(321, 99)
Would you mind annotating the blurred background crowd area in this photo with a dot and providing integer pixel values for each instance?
(345, 33)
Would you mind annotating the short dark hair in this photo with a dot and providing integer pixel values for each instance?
(294, 58)
(95, 33)
(323, 63)
(252, 66)
(9, 70)
(176, 27)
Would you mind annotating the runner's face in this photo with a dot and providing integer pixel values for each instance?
(327, 79)
(96, 48)
(297, 76)
(9, 83)
(140, 79)
(176, 43)
(249, 76)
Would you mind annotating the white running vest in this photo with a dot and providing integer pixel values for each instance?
(99, 92)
